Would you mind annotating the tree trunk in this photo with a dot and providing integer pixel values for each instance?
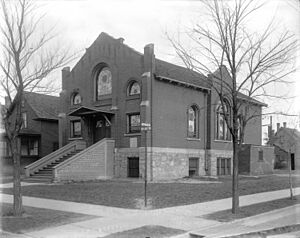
(235, 179)
(16, 149)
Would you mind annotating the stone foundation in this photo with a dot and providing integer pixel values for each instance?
(212, 156)
(163, 163)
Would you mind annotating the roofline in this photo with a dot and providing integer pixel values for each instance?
(253, 101)
(180, 83)
(92, 109)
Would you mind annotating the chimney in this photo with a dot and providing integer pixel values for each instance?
(284, 124)
(65, 72)
(278, 126)
(149, 58)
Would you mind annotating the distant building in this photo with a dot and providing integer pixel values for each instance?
(120, 107)
(285, 140)
(39, 133)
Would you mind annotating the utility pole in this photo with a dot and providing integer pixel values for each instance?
(145, 127)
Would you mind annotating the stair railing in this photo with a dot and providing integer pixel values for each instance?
(48, 159)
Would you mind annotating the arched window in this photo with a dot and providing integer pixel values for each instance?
(222, 132)
(134, 88)
(103, 82)
(193, 122)
(76, 99)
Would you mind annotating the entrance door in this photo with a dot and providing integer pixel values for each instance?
(102, 129)
(133, 167)
(293, 161)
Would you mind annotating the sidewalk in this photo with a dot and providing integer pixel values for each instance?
(112, 220)
(265, 221)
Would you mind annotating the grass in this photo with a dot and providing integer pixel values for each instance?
(126, 193)
(36, 219)
(147, 232)
(251, 210)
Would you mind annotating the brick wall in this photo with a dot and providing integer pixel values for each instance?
(95, 162)
(264, 166)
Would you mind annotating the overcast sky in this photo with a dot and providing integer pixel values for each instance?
(140, 22)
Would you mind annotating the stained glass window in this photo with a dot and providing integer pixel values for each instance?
(193, 122)
(76, 99)
(222, 132)
(134, 89)
(104, 82)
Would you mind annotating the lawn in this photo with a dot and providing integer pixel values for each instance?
(128, 194)
(147, 231)
(36, 219)
(255, 209)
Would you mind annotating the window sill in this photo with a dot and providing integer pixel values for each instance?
(193, 139)
(132, 134)
(133, 97)
(223, 141)
(75, 138)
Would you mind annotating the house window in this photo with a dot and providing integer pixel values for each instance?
(134, 89)
(75, 128)
(223, 166)
(222, 132)
(76, 99)
(29, 146)
(133, 167)
(193, 166)
(193, 118)
(24, 120)
(260, 155)
(134, 123)
(103, 82)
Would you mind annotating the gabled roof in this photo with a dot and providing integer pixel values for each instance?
(46, 107)
(250, 99)
(224, 71)
(163, 69)
(285, 138)
(177, 73)
(294, 133)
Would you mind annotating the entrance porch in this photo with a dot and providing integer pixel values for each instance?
(96, 123)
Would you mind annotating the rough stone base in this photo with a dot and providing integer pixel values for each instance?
(212, 156)
(163, 163)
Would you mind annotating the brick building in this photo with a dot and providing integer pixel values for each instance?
(39, 133)
(125, 107)
(285, 140)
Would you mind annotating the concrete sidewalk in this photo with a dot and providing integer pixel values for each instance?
(265, 221)
(112, 220)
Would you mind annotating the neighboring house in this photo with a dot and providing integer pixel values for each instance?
(39, 133)
(286, 140)
(126, 108)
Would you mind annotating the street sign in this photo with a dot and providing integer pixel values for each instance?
(145, 124)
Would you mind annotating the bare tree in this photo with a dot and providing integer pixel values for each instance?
(254, 62)
(27, 59)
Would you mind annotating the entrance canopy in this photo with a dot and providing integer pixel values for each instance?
(84, 111)
(87, 111)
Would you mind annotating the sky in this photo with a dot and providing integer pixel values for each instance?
(140, 22)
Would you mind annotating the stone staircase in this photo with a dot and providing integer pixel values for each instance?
(42, 170)
(46, 174)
